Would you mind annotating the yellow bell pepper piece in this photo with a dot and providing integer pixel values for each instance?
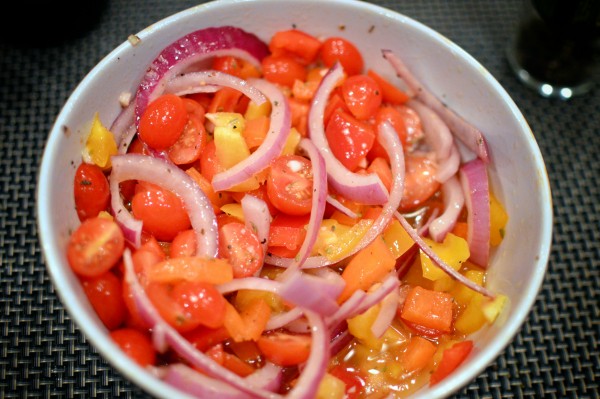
(454, 250)
(254, 111)
(397, 239)
(291, 142)
(100, 144)
(493, 308)
(234, 209)
(329, 233)
(331, 387)
(360, 328)
(471, 318)
(346, 242)
(463, 294)
(498, 220)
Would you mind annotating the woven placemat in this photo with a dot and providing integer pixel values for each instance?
(42, 353)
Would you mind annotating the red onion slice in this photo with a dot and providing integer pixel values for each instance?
(474, 180)
(439, 262)
(317, 294)
(192, 49)
(454, 201)
(387, 313)
(257, 218)
(448, 167)
(366, 189)
(341, 207)
(437, 134)
(270, 148)
(195, 82)
(282, 319)
(123, 128)
(170, 177)
(467, 133)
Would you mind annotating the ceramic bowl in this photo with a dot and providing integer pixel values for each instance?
(517, 172)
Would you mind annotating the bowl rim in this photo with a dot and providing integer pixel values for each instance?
(484, 357)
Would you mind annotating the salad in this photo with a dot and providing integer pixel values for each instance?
(273, 219)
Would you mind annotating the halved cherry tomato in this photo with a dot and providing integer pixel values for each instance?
(297, 43)
(283, 70)
(349, 139)
(91, 191)
(362, 95)
(184, 244)
(194, 107)
(419, 182)
(422, 330)
(381, 167)
(287, 234)
(285, 349)
(105, 295)
(225, 100)
(354, 380)
(95, 247)
(209, 163)
(235, 66)
(187, 305)
(190, 144)
(163, 121)
(451, 359)
(335, 102)
(241, 246)
(204, 337)
(405, 121)
(339, 49)
(391, 94)
(136, 344)
(161, 211)
(290, 184)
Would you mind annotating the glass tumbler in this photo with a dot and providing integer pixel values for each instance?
(556, 46)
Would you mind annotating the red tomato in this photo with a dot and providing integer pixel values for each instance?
(390, 93)
(184, 244)
(297, 43)
(136, 344)
(203, 337)
(404, 119)
(350, 139)
(335, 102)
(209, 163)
(161, 211)
(422, 330)
(283, 70)
(235, 66)
(163, 121)
(95, 247)
(290, 184)
(287, 234)
(419, 183)
(354, 380)
(190, 144)
(193, 107)
(261, 193)
(240, 245)
(362, 95)
(91, 191)
(339, 49)
(105, 295)
(285, 349)
(451, 359)
(187, 305)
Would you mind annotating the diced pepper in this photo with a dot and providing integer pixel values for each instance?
(451, 359)
(100, 144)
(428, 308)
(346, 242)
(234, 209)
(471, 318)
(498, 220)
(397, 239)
(418, 354)
(331, 388)
(292, 142)
(453, 250)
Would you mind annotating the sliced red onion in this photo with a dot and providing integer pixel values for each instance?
(171, 178)
(340, 341)
(197, 82)
(257, 218)
(366, 189)
(387, 313)
(282, 319)
(123, 128)
(448, 167)
(194, 48)
(423, 230)
(474, 180)
(341, 207)
(439, 262)
(454, 201)
(467, 133)
(178, 343)
(270, 148)
(250, 283)
(311, 292)
(437, 134)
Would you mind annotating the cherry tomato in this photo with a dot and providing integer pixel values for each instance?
(204, 337)
(290, 184)
(236, 67)
(105, 295)
(422, 330)
(190, 144)
(339, 49)
(136, 344)
(336, 102)
(285, 349)
(193, 107)
(354, 380)
(95, 247)
(187, 305)
(91, 191)
(209, 163)
(184, 244)
(287, 234)
(240, 245)
(297, 43)
(283, 70)
(349, 139)
(161, 211)
(163, 121)
(451, 359)
(362, 95)
(419, 183)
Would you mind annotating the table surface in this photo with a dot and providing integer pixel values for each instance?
(42, 352)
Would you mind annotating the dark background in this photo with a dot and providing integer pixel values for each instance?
(43, 58)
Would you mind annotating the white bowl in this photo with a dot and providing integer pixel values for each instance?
(517, 172)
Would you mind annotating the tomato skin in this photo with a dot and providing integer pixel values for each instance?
(350, 140)
(285, 349)
(339, 49)
(161, 211)
(290, 184)
(287, 234)
(451, 359)
(297, 43)
(209, 163)
(204, 337)
(163, 121)
(91, 191)
(136, 344)
(283, 70)
(419, 182)
(241, 246)
(104, 294)
(184, 244)
(362, 95)
(95, 247)
(190, 143)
